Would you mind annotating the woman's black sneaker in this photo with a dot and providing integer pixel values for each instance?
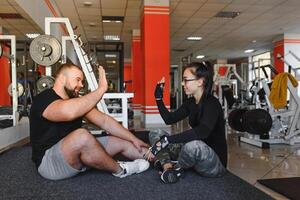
(171, 175)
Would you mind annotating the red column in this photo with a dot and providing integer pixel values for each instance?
(278, 49)
(137, 72)
(155, 40)
(128, 77)
(5, 79)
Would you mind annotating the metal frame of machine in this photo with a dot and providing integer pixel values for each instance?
(12, 58)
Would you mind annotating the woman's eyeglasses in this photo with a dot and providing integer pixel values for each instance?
(185, 80)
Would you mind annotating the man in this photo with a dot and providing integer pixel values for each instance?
(61, 148)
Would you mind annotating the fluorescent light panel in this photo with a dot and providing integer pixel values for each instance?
(194, 38)
(200, 56)
(32, 35)
(112, 37)
(110, 55)
(249, 51)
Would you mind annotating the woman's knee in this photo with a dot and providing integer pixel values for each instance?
(194, 147)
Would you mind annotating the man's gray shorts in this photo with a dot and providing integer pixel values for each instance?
(54, 166)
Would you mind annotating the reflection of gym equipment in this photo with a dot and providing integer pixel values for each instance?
(47, 47)
(12, 57)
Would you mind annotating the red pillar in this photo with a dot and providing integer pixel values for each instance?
(278, 49)
(155, 41)
(137, 72)
(128, 77)
(5, 79)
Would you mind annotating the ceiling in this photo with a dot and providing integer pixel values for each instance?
(257, 25)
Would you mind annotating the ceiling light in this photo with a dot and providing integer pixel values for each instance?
(194, 38)
(32, 35)
(174, 66)
(116, 19)
(112, 37)
(92, 24)
(249, 51)
(87, 3)
(200, 56)
(110, 55)
(253, 41)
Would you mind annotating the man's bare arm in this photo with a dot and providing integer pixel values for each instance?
(69, 109)
(109, 124)
(66, 110)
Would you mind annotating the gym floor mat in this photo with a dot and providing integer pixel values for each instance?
(20, 180)
(288, 187)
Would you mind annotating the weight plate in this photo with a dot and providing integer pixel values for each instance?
(45, 82)
(45, 50)
(20, 89)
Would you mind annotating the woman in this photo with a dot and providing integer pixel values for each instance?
(203, 147)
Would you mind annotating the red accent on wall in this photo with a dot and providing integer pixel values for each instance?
(5, 78)
(278, 48)
(137, 71)
(156, 51)
(128, 77)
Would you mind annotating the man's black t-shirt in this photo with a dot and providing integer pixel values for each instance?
(44, 133)
(207, 122)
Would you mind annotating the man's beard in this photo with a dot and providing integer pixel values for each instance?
(71, 93)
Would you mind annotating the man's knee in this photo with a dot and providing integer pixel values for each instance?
(81, 137)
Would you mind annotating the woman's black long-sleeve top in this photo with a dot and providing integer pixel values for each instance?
(207, 122)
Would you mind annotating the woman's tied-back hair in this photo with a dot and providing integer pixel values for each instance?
(65, 66)
(203, 70)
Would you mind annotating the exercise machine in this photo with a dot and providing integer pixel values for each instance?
(12, 58)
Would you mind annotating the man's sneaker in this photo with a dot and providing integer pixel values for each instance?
(133, 167)
(171, 175)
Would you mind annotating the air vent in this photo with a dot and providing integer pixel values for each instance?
(178, 50)
(227, 14)
(10, 16)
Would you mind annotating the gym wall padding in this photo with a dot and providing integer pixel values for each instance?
(5, 78)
